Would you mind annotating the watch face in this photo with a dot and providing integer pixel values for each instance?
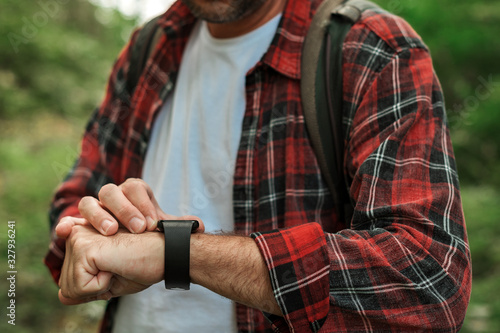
(193, 223)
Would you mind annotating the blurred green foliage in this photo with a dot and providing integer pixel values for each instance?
(55, 54)
(54, 60)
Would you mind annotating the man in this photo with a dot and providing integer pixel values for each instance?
(216, 132)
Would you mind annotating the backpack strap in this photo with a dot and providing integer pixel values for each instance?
(141, 51)
(322, 92)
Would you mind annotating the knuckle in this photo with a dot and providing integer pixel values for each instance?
(106, 190)
(126, 187)
(94, 215)
(85, 202)
(135, 180)
(145, 206)
(131, 183)
(90, 211)
(74, 240)
(125, 211)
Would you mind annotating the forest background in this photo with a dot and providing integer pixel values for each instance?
(54, 59)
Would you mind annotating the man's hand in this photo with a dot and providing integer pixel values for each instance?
(104, 261)
(131, 204)
(97, 267)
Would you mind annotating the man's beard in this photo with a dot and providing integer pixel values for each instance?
(222, 11)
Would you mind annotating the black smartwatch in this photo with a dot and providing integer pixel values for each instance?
(177, 243)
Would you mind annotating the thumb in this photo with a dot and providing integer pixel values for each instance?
(70, 301)
(66, 224)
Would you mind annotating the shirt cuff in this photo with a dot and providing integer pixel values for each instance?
(299, 265)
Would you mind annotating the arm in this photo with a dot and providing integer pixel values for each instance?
(233, 267)
(404, 262)
(100, 267)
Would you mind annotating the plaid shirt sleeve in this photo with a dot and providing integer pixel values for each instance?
(100, 158)
(404, 263)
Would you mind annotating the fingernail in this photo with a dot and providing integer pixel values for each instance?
(137, 225)
(151, 223)
(106, 225)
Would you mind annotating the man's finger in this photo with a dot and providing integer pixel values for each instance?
(63, 228)
(112, 197)
(141, 197)
(93, 211)
(70, 301)
(122, 286)
(84, 284)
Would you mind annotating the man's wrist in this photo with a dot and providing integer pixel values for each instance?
(138, 257)
(233, 267)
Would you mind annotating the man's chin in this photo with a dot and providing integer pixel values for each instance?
(220, 11)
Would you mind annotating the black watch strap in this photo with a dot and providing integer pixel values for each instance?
(177, 244)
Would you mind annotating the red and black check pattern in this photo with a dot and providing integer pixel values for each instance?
(403, 264)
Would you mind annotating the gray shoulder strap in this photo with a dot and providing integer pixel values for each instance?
(309, 64)
(321, 92)
(353, 9)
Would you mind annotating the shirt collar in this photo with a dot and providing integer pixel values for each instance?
(285, 50)
(177, 18)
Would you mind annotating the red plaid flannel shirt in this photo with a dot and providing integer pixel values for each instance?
(402, 264)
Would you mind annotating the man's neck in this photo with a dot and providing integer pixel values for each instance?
(258, 18)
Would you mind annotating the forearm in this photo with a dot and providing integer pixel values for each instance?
(233, 267)
(230, 266)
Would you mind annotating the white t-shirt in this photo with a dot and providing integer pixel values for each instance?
(190, 166)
